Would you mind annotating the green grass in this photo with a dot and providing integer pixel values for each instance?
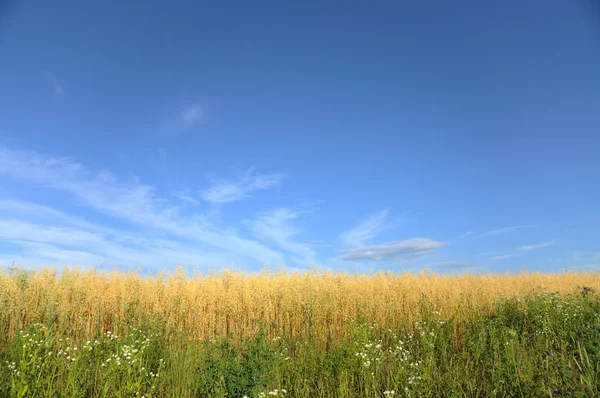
(545, 346)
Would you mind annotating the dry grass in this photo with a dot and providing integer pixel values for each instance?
(319, 306)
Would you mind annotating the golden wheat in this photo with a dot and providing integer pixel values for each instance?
(318, 305)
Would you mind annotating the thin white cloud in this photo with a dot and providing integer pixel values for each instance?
(536, 247)
(191, 115)
(56, 85)
(504, 230)
(504, 256)
(186, 196)
(49, 245)
(31, 211)
(16, 230)
(466, 235)
(317, 243)
(186, 118)
(135, 204)
(276, 226)
(241, 189)
(366, 230)
(43, 254)
(498, 256)
(392, 250)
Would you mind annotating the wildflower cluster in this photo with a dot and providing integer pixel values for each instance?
(399, 350)
(126, 362)
(272, 393)
(370, 353)
(35, 350)
(45, 363)
(407, 359)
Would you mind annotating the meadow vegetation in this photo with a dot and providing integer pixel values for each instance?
(79, 333)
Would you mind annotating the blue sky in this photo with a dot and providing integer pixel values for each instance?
(453, 136)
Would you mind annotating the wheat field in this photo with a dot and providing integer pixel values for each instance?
(89, 301)
(302, 334)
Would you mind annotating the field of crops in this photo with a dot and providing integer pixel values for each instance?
(89, 334)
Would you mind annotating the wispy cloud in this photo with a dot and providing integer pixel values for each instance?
(186, 196)
(56, 85)
(277, 226)
(367, 229)
(43, 214)
(191, 115)
(466, 235)
(504, 230)
(356, 240)
(317, 243)
(135, 204)
(538, 246)
(504, 256)
(56, 245)
(498, 256)
(185, 118)
(392, 250)
(16, 230)
(232, 191)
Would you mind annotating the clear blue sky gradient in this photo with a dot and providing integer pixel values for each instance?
(453, 136)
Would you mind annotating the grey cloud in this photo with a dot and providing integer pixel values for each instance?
(392, 250)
